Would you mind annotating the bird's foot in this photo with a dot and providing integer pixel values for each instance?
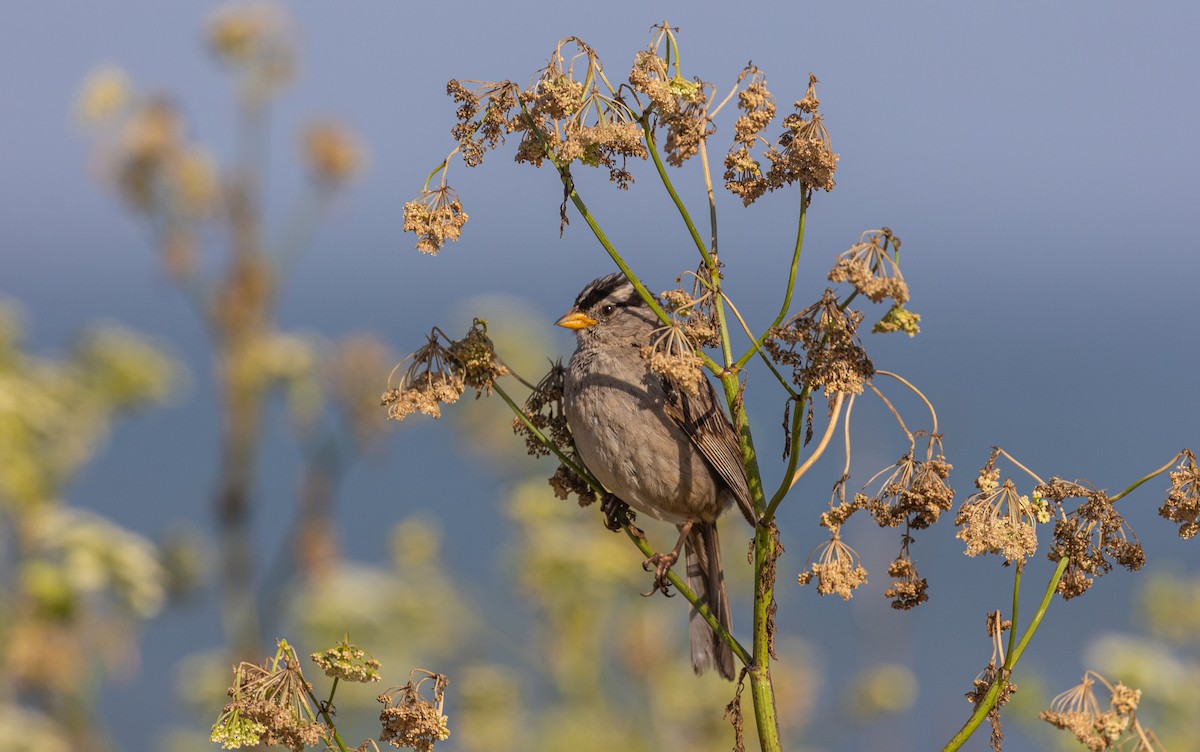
(661, 565)
(617, 514)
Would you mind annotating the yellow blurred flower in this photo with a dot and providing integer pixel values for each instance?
(105, 93)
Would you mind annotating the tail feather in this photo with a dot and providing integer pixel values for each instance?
(703, 556)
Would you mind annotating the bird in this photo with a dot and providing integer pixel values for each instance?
(667, 453)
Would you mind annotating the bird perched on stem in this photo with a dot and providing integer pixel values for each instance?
(664, 448)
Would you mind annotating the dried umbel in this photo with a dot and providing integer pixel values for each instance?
(872, 266)
(271, 706)
(676, 103)
(998, 520)
(1077, 710)
(1090, 534)
(1182, 504)
(438, 373)
(821, 343)
(332, 153)
(802, 153)
(410, 719)
(545, 415)
(436, 216)
(914, 493)
(908, 589)
(672, 355)
(838, 569)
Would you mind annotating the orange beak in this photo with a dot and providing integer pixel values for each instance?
(575, 320)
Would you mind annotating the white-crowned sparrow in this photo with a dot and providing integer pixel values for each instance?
(668, 454)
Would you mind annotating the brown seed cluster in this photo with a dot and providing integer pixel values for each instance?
(439, 373)
(838, 569)
(802, 153)
(908, 589)
(872, 266)
(1090, 534)
(1078, 710)
(999, 521)
(332, 153)
(678, 104)
(409, 719)
(270, 706)
(673, 356)
(915, 493)
(1182, 504)
(436, 216)
(544, 411)
(821, 344)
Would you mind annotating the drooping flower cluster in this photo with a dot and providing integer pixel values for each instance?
(908, 589)
(436, 217)
(1090, 534)
(677, 103)
(410, 719)
(821, 343)
(1182, 504)
(1077, 710)
(998, 520)
(914, 493)
(544, 411)
(837, 569)
(802, 153)
(872, 267)
(439, 373)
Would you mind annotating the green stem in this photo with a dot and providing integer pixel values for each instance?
(1016, 600)
(666, 181)
(762, 690)
(1139, 482)
(989, 700)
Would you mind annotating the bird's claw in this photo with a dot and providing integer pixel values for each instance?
(616, 513)
(661, 565)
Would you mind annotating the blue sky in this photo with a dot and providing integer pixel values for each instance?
(1038, 160)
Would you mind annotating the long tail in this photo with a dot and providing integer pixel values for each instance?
(704, 575)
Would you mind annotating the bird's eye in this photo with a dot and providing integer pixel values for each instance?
(608, 310)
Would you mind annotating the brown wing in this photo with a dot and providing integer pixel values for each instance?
(711, 433)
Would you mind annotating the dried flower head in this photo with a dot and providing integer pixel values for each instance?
(475, 132)
(914, 493)
(672, 355)
(435, 216)
(476, 357)
(409, 719)
(270, 706)
(743, 174)
(804, 155)
(544, 411)
(1182, 504)
(908, 589)
(431, 379)
(693, 312)
(1001, 521)
(872, 266)
(1089, 534)
(577, 116)
(822, 345)
(983, 685)
(332, 153)
(838, 569)
(1077, 710)
(348, 662)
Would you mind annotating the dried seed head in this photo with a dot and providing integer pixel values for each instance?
(999, 522)
(822, 345)
(435, 217)
(1182, 504)
(838, 569)
(908, 589)
(411, 720)
(1090, 535)
(872, 266)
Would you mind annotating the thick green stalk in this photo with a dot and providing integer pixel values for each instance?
(762, 690)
